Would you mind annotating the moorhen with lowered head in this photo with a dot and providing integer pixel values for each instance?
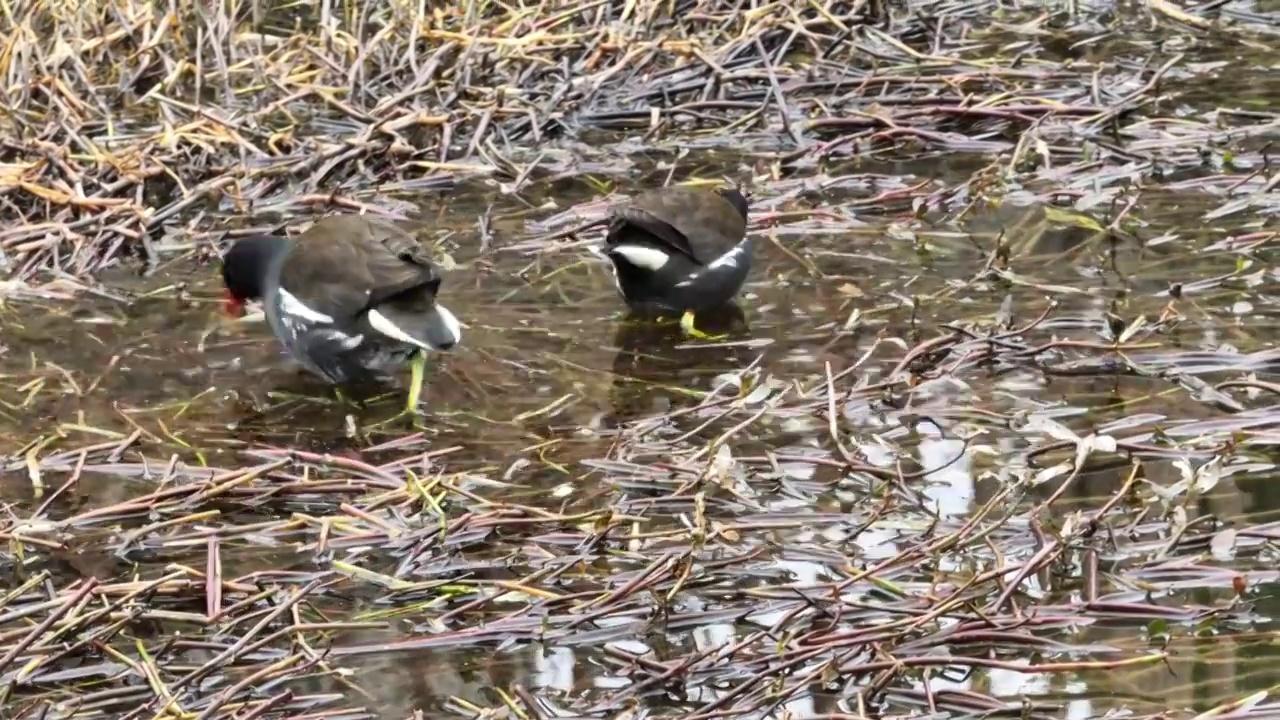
(348, 298)
(680, 249)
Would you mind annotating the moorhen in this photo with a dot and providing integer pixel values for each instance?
(680, 249)
(348, 298)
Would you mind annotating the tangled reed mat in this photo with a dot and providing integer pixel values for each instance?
(994, 435)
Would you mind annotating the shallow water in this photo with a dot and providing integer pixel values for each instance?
(579, 409)
(551, 371)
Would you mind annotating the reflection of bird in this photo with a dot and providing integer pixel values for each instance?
(680, 249)
(350, 297)
(650, 367)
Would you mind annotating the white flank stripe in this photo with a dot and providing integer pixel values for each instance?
(643, 257)
(291, 305)
(727, 260)
(345, 341)
(730, 258)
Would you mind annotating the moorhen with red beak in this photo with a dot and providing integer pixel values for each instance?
(680, 249)
(349, 298)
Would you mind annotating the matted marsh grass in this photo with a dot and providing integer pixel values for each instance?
(994, 437)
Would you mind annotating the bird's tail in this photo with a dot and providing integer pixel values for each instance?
(421, 321)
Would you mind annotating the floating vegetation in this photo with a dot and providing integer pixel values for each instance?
(991, 434)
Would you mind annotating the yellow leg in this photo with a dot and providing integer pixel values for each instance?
(418, 373)
(686, 324)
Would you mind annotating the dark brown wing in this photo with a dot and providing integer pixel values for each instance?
(651, 213)
(698, 222)
(402, 264)
(345, 264)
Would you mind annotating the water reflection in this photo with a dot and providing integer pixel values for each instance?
(542, 386)
(657, 369)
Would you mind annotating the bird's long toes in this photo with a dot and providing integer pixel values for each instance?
(687, 326)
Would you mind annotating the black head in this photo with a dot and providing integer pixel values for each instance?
(245, 266)
(735, 198)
